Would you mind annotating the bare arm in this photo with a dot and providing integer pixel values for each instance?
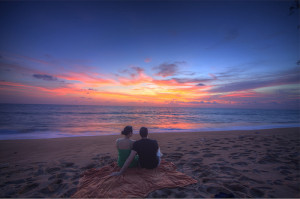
(126, 164)
(117, 143)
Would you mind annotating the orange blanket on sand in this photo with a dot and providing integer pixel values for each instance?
(136, 182)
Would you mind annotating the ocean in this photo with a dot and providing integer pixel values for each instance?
(36, 121)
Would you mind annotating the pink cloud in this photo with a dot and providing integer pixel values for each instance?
(148, 60)
(165, 70)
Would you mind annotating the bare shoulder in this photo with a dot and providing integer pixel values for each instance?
(131, 143)
(119, 139)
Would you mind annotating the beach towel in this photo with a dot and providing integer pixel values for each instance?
(135, 182)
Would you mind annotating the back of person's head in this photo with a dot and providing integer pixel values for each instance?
(127, 130)
(143, 132)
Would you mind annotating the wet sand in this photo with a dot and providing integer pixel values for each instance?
(260, 163)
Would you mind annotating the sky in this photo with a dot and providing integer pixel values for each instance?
(210, 54)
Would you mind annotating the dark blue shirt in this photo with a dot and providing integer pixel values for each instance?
(147, 151)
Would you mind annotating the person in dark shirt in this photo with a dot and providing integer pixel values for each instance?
(147, 150)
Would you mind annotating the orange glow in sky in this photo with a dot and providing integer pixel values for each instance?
(132, 53)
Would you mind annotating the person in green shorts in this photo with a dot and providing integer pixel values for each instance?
(124, 146)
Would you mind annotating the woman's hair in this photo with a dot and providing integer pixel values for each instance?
(143, 132)
(127, 130)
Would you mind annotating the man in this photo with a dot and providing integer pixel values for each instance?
(147, 150)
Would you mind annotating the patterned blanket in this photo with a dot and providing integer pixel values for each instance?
(135, 182)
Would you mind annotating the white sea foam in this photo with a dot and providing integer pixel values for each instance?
(52, 121)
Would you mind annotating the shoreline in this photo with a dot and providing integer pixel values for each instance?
(249, 163)
(51, 135)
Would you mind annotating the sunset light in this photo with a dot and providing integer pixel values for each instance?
(149, 99)
(131, 56)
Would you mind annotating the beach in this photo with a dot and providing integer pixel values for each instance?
(252, 163)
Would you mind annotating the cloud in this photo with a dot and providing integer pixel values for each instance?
(89, 78)
(203, 102)
(165, 69)
(137, 69)
(137, 76)
(240, 86)
(147, 60)
(190, 80)
(133, 71)
(189, 73)
(44, 77)
(238, 72)
(291, 76)
(20, 87)
(200, 84)
(16, 68)
(213, 76)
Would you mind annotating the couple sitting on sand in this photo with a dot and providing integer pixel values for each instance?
(143, 153)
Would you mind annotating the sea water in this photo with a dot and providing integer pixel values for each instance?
(36, 121)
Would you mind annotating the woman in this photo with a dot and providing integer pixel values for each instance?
(124, 146)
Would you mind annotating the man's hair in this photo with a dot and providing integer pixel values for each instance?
(143, 132)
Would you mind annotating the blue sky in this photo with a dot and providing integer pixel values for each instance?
(229, 47)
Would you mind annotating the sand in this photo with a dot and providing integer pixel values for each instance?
(260, 163)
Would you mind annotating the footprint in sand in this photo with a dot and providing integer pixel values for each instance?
(251, 158)
(222, 160)
(269, 159)
(59, 176)
(194, 164)
(246, 179)
(54, 187)
(180, 195)
(285, 172)
(52, 170)
(210, 155)
(215, 190)
(256, 193)
(75, 183)
(289, 178)
(88, 166)
(224, 148)
(28, 188)
(67, 164)
(278, 182)
(236, 188)
(174, 156)
(235, 157)
(96, 158)
(228, 170)
(205, 173)
(196, 172)
(20, 181)
(69, 193)
(240, 164)
(178, 149)
(198, 160)
(209, 180)
(295, 187)
(162, 193)
(193, 152)
(39, 172)
(76, 176)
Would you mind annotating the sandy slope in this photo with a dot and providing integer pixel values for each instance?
(260, 163)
